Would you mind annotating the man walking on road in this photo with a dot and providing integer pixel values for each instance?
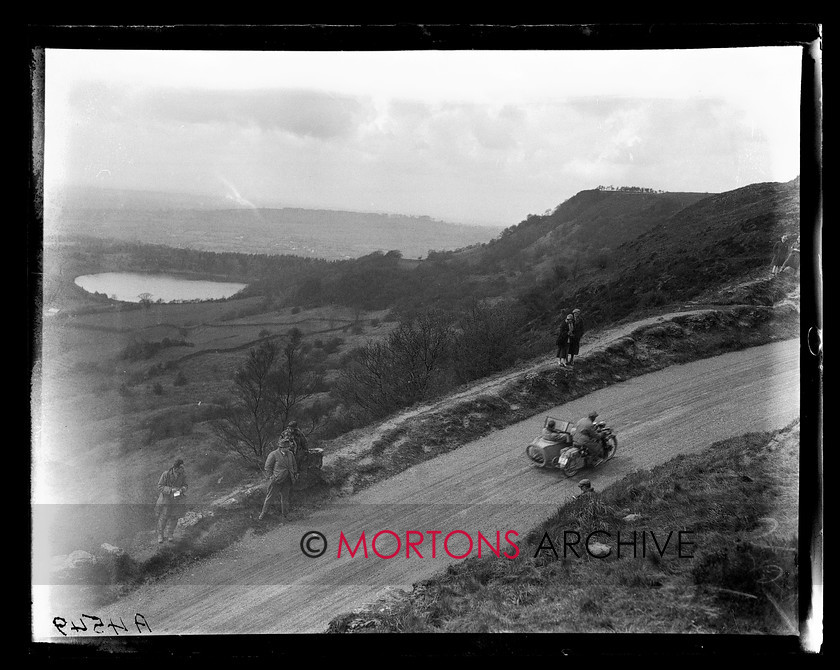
(281, 471)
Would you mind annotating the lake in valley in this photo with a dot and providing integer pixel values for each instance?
(133, 286)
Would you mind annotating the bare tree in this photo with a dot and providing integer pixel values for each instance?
(253, 419)
(487, 340)
(420, 347)
(406, 368)
(268, 391)
(295, 379)
(367, 381)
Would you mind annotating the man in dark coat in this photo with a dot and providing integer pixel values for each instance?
(296, 436)
(780, 254)
(172, 489)
(792, 260)
(281, 470)
(577, 333)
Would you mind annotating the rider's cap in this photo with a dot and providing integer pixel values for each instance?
(575, 311)
(292, 424)
(585, 483)
(570, 316)
(550, 423)
(178, 462)
(593, 414)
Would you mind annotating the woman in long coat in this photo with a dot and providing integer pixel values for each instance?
(565, 339)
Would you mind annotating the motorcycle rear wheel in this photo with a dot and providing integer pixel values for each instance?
(571, 472)
(610, 447)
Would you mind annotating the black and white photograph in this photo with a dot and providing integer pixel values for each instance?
(426, 329)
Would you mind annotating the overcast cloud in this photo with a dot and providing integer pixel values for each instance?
(472, 136)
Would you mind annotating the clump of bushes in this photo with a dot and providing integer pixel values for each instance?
(171, 424)
(141, 349)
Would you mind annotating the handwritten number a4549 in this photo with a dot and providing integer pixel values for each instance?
(139, 620)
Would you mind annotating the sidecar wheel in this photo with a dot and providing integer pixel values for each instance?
(535, 455)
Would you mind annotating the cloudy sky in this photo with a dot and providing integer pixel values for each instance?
(464, 136)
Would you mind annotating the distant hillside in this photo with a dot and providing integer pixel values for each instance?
(610, 251)
(711, 241)
(613, 253)
(591, 222)
(210, 225)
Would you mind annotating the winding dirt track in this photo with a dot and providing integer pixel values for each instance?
(264, 584)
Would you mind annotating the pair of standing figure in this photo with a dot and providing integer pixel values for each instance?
(568, 339)
(281, 470)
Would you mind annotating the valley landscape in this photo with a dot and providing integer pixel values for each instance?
(419, 356)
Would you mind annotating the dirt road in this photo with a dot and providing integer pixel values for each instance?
(264, 584)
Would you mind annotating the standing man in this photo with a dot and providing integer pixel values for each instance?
(171, 502)
(577, 333)
(780, 253)
(296, 436)
(281, 471)
(793, 257)
(585, 487)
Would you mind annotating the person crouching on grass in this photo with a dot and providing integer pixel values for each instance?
(281, 470)
(585, 487)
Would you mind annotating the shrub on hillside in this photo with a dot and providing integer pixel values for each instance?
(175, 423)
(141, 349)
(332, 344)
(207, 462)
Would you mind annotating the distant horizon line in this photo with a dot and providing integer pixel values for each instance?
(234, 205)
(218, 200)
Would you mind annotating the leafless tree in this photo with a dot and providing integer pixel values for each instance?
(406, 368)
(268, 390)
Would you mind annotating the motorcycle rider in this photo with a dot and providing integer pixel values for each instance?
(587, 438)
